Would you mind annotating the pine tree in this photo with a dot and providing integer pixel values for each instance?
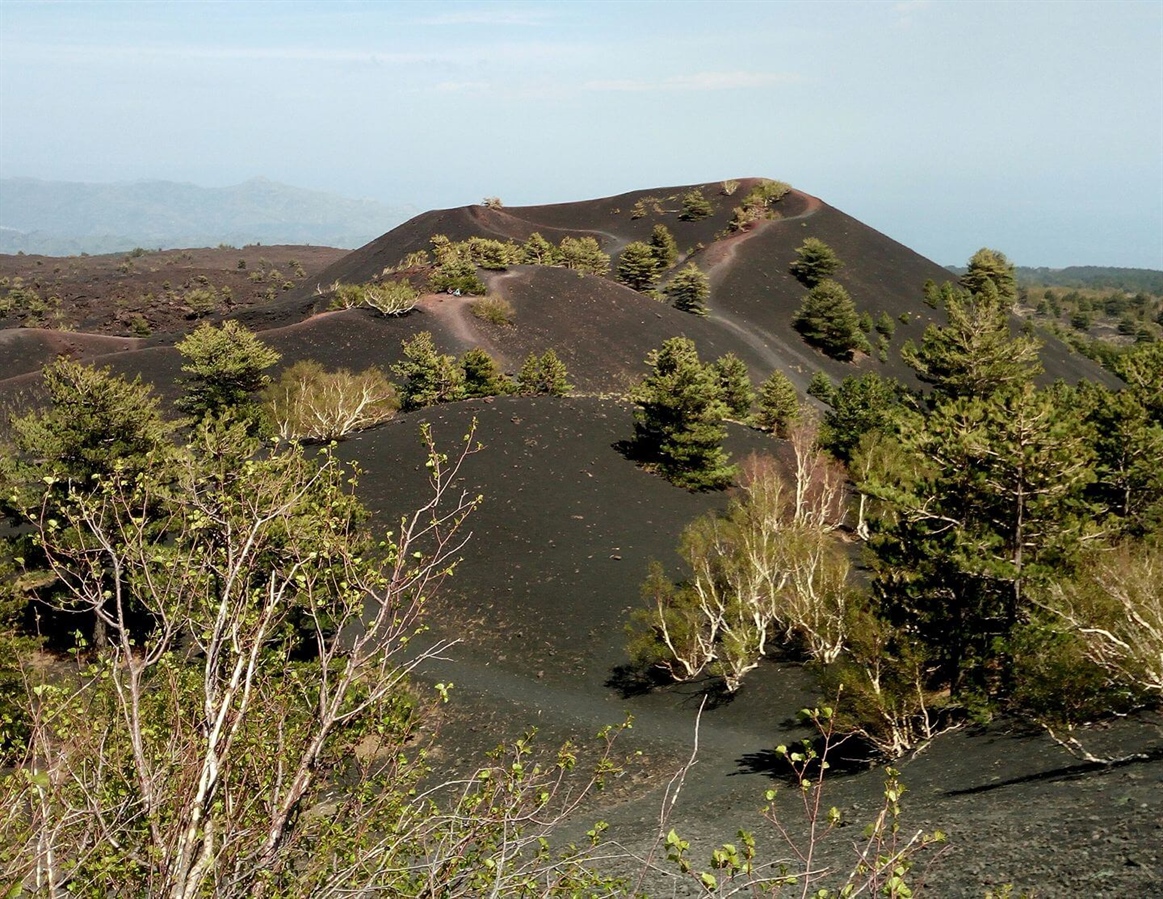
(689, 290)
(482, 375)
(583, 255)
(543, 375)
(828, 319)
(427, 377)
(860, 405)
(779, 404)
(991, 267)
(694, 206)
(225, 367)
(678, 419)
(638, 266)
(734, 381)
(974, 354)
(990, 502)
(815, 262)
(539, 251)
(665, 246)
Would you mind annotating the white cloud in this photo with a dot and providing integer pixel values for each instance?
(698, 81)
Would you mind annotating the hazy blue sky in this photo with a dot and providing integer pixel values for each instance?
(1035, 128)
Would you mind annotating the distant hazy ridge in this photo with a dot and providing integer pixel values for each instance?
(62, 218)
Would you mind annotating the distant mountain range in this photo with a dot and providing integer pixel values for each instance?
(60, 218)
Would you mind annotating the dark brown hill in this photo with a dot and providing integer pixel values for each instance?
(601, 329)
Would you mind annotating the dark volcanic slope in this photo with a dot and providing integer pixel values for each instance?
(558, 550)
(602, 330)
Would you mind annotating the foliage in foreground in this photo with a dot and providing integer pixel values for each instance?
(244, 727)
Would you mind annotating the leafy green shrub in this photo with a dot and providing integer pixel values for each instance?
(308, 403)
(201, 301)
(645, 205)
(139, 326)
(885, 325)
(695, 206)
(496, 310)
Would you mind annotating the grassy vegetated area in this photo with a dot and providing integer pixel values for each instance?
(1012, 533)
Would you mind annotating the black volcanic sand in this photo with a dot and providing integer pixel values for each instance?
(559, 548)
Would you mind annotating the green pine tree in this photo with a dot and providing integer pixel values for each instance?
(689, 290)
(427, 377)
(815, 262)
(638, 266)
(779, 404)
(226, 370)
(828, 319)
(694, 206)
(974, 354)
(539, 251)
(678, 419)
(482, 375)
(991, 267)
(665, 246)
(735, 382)
(543, 375)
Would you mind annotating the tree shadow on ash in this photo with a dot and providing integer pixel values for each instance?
(632, 680)
(1066, 772)
(845, 757)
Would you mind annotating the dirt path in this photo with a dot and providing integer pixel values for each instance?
(454, 315)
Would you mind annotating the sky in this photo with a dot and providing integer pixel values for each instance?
(1035, 128)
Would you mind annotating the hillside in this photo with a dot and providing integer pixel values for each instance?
(59, 218)
(569, 524)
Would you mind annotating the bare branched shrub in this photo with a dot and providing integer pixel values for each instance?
(390, 297)
(766, 572)
(729, 187)
(309, 403)
(884, 677)
(1116, 606)
(492, 203)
